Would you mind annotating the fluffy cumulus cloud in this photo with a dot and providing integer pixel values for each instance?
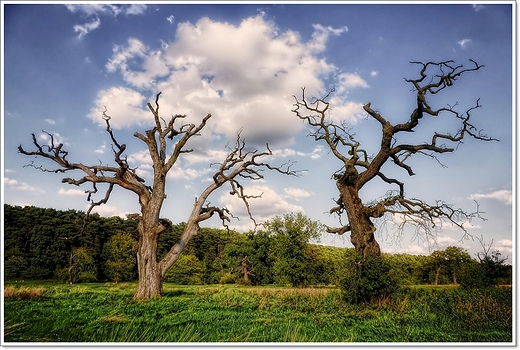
(124, 107)
(268, 206)
(244, 75)
(504, 246)
(504, 196)
(296, 193)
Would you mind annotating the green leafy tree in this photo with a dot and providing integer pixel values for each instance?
(82, 266)
(445, 265)
(120, 258)
(15, 264)
(406, 268)
(487, 271)
(289, 251)
(187, 270)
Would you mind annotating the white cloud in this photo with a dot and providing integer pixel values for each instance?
(207, 156)
(15, 185)
(413, 249)
(124, 106)
(296, 193)
(321, 34)
(442, 242)
(71, 192)
(170, 18)
(374, 73)
(349, 111)
(105, 9)
(348, 81)
(101, 149)
(478, 7)
(84, 29)
(96, 10)
(180, 172)
(50, 121)
(135, 9)
(464, 43)
(268, 206)
(56, 138)
(106, 210)
(504, 246)
(504, 196)
(201, 72)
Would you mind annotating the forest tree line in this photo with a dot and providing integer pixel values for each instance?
(49, 244)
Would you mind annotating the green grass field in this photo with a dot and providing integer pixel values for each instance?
(97, 312)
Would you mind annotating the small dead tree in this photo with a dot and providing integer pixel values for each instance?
(358, 169)
(239, 164)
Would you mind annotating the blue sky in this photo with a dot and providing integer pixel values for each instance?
(243, 63)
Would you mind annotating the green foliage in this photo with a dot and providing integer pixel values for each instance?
(486, 273)
(186, 270)
(406, 268)
(38, 243)
(83, 267)
(367, 280)
(14, 264)
(444, 266)
(289, 249)
(120, 257)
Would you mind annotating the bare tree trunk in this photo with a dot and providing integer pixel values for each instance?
(437, 273)
(361, 227)
(454, 277)
(150, 278)
(245, 271)
(71, 267)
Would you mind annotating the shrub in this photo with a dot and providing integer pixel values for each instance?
(367, 280)
(227, 278)
(186, 270)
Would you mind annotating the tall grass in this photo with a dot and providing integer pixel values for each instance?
(23, 293)
(188, 314)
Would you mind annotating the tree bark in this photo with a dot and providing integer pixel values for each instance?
(454, 277)
(361, 227)
(437, 274)
(150, 277)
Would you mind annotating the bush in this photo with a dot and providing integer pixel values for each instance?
(367, 280)
(186, 270)
(486, 273)
(227, 278)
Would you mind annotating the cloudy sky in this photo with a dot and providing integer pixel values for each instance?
(243, 63)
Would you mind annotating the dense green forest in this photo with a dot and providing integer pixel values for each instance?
(41, 244)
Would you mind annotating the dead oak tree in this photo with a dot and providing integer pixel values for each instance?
(238, 165)
(358, 169)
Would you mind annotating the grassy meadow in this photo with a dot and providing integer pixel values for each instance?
(105, 312)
